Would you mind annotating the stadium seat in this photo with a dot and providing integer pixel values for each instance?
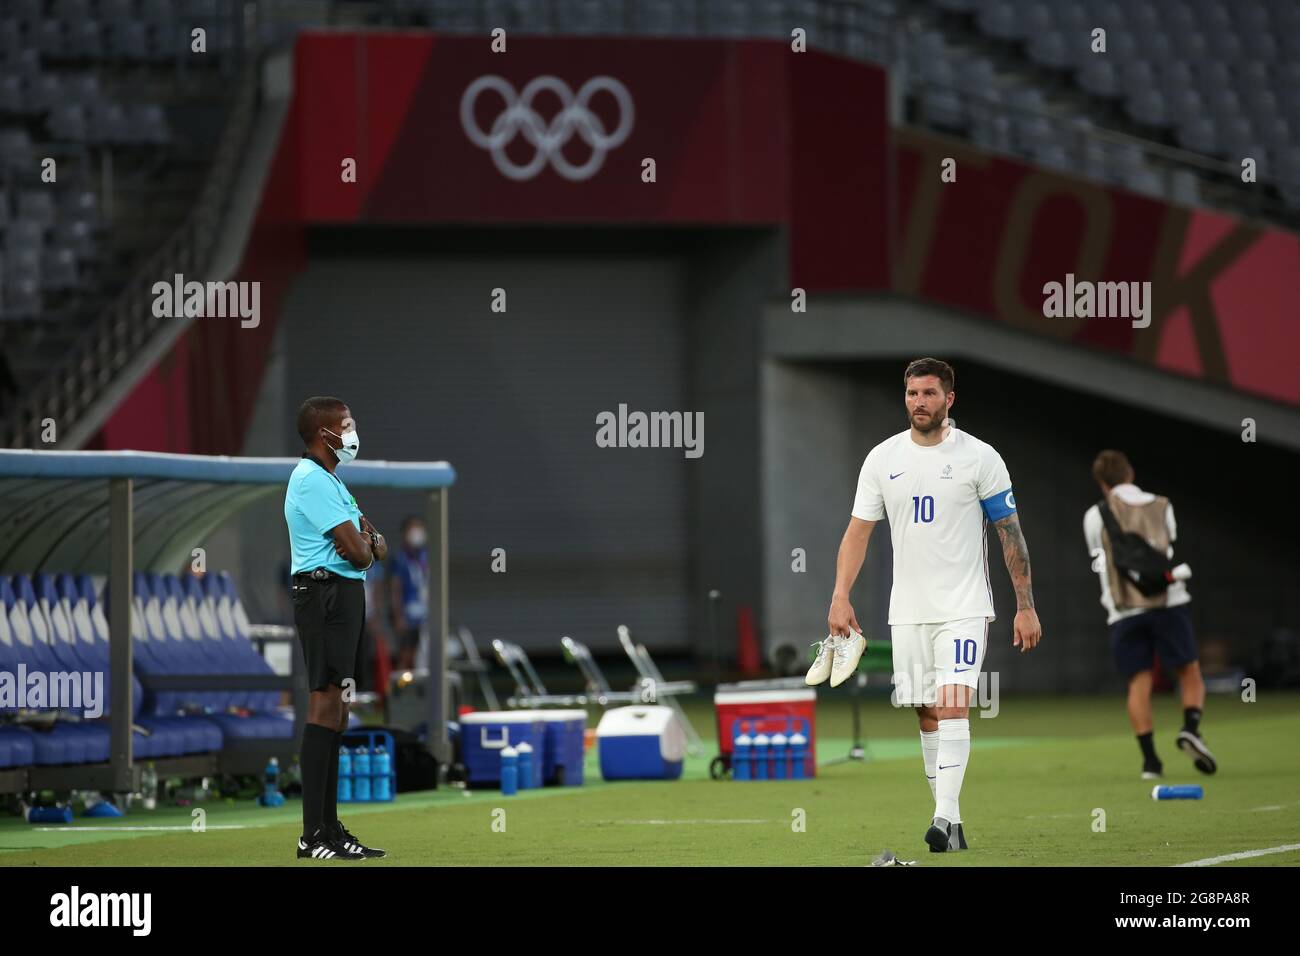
(1100, 78)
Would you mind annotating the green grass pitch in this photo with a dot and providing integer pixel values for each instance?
(1038, 773)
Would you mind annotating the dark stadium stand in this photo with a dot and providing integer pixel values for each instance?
(112, 91)
(1213, 78)
(57, 623)
(109, 90)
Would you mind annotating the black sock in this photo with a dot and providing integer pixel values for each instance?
(1147, 743)
(1192, 719)
(330, 816)
(317, 746)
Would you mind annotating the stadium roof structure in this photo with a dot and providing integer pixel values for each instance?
(97, 511)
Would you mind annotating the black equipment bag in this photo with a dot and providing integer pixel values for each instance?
(1146, 568)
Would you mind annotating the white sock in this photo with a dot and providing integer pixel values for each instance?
(954, 752)
(930, 754)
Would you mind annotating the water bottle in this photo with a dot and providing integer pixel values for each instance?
(345, 776)
(361, 774)
(383, 768)
(780, 757)
(361, 761)
(798, 755)
(509, 771)
(741, 757)
(1187, 791)
(271, 795)
(149, 784)
(525, 752)
(761, 742)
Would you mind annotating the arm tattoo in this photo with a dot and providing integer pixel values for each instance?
(1016, 554)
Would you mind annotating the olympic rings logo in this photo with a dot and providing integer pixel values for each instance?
(548, 138)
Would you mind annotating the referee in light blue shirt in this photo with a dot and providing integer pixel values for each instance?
(332, 545)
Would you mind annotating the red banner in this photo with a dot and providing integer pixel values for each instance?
(1224, 294)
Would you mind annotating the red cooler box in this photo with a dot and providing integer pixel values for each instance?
(765, 705)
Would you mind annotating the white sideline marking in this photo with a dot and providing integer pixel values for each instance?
(1274, 806)
(1245, 855)
(677, 822)
(218, 826)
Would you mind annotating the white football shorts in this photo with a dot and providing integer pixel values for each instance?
(926, 656)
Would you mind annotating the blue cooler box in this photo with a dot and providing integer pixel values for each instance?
(562, 763)
(484, 734)
(640, 743)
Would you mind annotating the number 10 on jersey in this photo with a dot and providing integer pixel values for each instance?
(922, 509)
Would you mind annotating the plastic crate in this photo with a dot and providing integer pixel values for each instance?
(371, 739)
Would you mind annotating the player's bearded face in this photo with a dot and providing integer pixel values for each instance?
(926, 415)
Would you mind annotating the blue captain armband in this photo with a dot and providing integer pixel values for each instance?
(996, 507)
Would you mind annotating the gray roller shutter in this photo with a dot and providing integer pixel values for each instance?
(593, 537)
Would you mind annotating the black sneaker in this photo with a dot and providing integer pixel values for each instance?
(321, 845)
(1192, 745)
(957, 838)
(353, 845)
(1153, 771)
(938, 835)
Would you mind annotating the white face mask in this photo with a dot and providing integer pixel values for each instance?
(351, 445)
(416, 539)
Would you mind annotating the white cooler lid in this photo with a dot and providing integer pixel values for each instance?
(763, 696)
(554, 715)
(501, 717)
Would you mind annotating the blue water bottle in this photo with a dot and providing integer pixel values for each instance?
(1188, 791)
(779, 756)
(798, 755)
(741, 758)
(761, 742)
(345, 775)
(361, 774)
(382, 766)
(271, 795)
(509, 771)
(525, 751)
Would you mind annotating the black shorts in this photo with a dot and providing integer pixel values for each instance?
(330, 616)
(1167, 630)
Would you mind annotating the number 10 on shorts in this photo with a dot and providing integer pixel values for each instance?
(964, 651)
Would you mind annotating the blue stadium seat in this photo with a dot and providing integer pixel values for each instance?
(169, 733)
(33, 630)
(233, 621)
(191, 626)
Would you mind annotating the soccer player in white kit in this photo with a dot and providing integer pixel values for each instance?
(938, 487)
